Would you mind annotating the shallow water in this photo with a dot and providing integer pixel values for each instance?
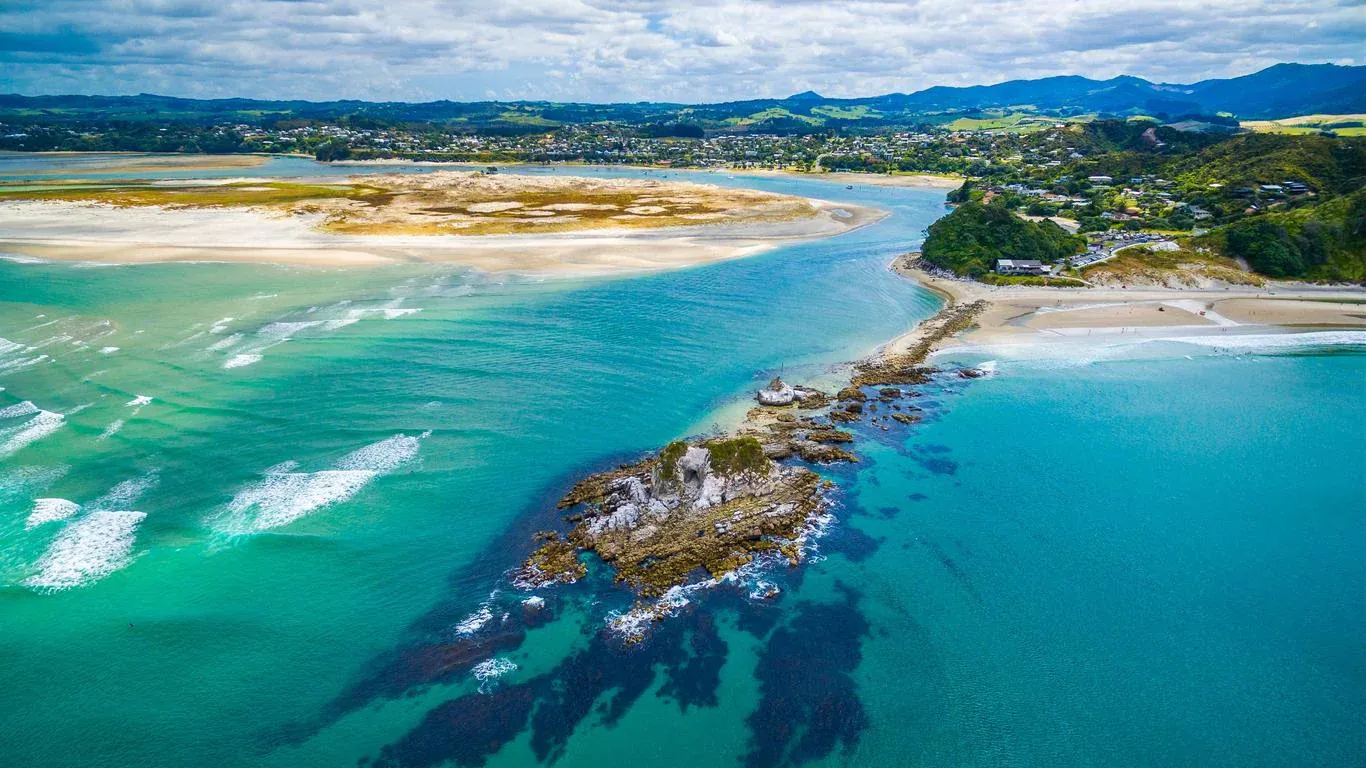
(299, 490)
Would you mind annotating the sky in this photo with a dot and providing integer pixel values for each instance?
(690, 51)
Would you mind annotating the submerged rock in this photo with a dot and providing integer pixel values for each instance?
(556, 560)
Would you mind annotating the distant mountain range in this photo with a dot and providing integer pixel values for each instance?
(1283, 90)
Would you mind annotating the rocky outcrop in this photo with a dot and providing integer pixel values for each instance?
(779, 393)
(709, 506)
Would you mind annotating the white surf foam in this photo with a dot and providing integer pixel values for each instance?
(339, 323)
(48, 510)
(384, 456)
(241, 361)
(88, 549)
(284, 495)
(108, 350)
(284, 330)
(221, 325)
(475, 621)
(111, 430)
(1276, 341)
(138, 401)
(41, 425)
(225, 342)
(489, 670)
(19, 363)
(25, 408)
(125, 493)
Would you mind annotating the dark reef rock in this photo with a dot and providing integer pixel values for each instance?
(706, 507)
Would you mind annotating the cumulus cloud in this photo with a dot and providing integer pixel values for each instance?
(627, 50)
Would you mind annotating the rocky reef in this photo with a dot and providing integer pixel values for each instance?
(693, 511)
(698, 510)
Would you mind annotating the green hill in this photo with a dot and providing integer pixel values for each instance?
(1323, 242)
(1326, 164)
(969, 240)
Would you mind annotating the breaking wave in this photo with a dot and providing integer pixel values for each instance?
(41, 425)
(284, 495)
(24, 408)
(87, 550)
(49, 510)
(1271, 342)
(241, 361)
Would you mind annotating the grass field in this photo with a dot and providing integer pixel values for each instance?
(1008, 122)
(1342, 125)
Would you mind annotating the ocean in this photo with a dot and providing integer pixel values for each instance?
(264, 516)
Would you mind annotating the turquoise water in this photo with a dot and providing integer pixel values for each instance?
(1142, 560)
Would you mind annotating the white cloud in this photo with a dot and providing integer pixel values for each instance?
(626, 50)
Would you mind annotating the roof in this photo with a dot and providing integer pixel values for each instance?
(1018, 263)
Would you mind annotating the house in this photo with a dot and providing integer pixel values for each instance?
(1099, 179)
(1020, 267)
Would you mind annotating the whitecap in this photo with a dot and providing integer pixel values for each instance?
(88, 549)
(108, 350)
(225, 342)
(111, 430)
(19, 363)
(25, 408)
(41, 425)
(125, 493)
(284, 330)
(384, 456)
(284, 495)
(48, 510)
(241, 361)
(475, 621)
(339, 323)
(221, 325)
(138, 401)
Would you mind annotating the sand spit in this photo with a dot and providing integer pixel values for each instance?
(493, 223)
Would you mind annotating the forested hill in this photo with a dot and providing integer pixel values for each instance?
(969, 240)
